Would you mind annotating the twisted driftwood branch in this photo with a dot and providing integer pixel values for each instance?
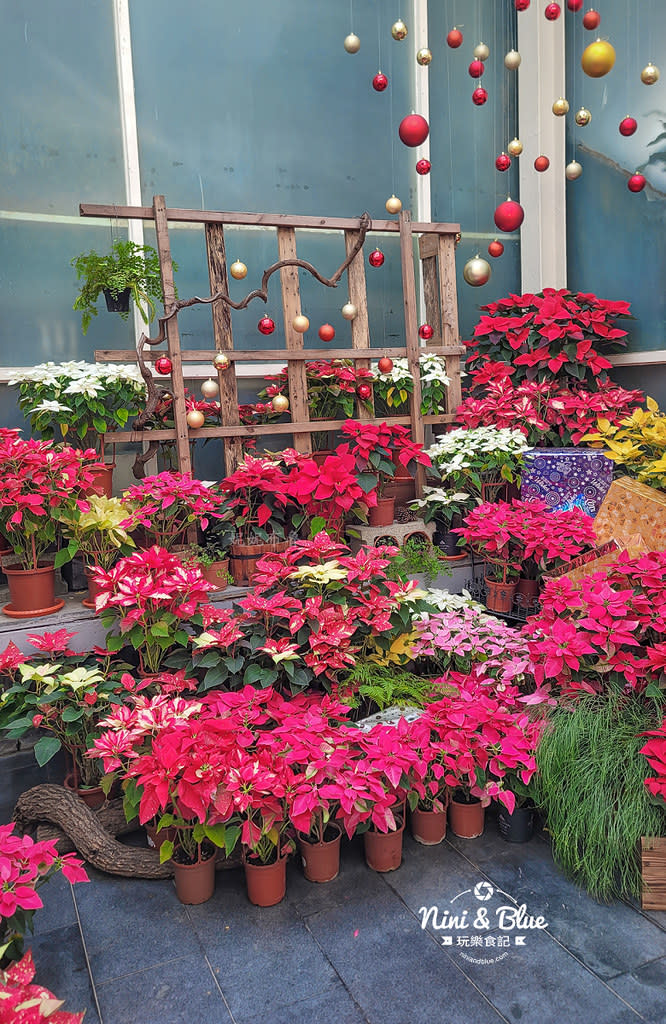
(152, 401)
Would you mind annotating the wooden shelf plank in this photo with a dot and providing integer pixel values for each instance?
(271, 355)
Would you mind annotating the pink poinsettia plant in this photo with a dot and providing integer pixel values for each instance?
(24, 1002)
(167, 504)
(328, 491)
(258, 499)
(655, 753)
(552, 333)
(379, 448)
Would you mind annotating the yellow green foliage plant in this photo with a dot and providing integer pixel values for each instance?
(638, 443)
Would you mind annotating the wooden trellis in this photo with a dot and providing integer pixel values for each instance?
(437, 254)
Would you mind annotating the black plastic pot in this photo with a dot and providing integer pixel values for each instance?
(447, 543)
(517, 827)
(117, 303)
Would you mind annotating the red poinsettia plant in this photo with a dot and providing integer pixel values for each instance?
(167, 504)
(379, 448)
(258, 499)
(328, 491)
(550, 334)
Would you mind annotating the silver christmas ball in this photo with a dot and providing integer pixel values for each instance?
(349, 311)
(512, 60)
(210, 388)
(477, 271)
(481, 51)
(352, 43)
(573, 170)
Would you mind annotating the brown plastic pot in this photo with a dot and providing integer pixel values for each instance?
(195, 883)
(216, 573)
(383, 850)
(499, 596)
(92, 796)
(428, 827)
(383, 513)
(103, 484)
(93, 590)
(321, 861)
(266, 883)
(32, 592)
(467, 819)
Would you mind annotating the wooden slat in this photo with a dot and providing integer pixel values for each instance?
(224, 342)
(269, 220)
(449, 304)
(173, 336)
(653, 870)
(428, 246)
(431, 296)
(412, 334)
(291, 307)
(272, 355)
(360, 327)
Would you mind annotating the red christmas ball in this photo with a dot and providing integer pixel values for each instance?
(423, 166)
(426, 332)
(379, 82)
(636, 183)
(413, 130)
(385, 365)
(476, 68)
(163, 365)
(326, 332)
(503, 162)
(266, 325)
(479, 97)
(454, 38)
(628, 126)
(364, 391)
(495, 249)
(552, 12)
(574, 5)
(376, 258)
(591, 19)
(521, 5)
(542, 163)
(509, 215)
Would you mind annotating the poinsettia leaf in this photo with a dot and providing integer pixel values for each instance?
(45, 748)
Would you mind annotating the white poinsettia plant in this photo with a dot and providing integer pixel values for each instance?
(395, 387)
(467, 459)
(78, 401)
(441, 504)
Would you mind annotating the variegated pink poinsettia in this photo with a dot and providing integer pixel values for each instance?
(167, 504)
(23, 1002)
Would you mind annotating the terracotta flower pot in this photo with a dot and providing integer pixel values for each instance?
(266, 883)
(155, 838)
(216, 573)
(103, 484)
(195, 883)
(244, 557)
(499, 596)
(383, 850)
(383, 513)
(466, 819)
(93, 590)
(92, 796)
(321, 861)
(32, 592)
(428, 827)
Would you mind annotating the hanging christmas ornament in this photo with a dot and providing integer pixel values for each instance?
(280, 403)
(423, 56)
(326, 332)
(650, 74)
(423, 166)
(591, 20)
(582, 117)
(393, 204)
(515, 147)
(454, 38)
(598, 58)
(163, 366)
(195, 419)
(364, 391)
(398, 29)
(512, 60)
(266, 325)
(352, 43)
(349, 311)
(425, 332)
(210, 388)
(637, 182)
(376, 258)
(479, 97)
(521, 5)
(481, 51)
(552, 12)
(413, 130)
(560, 107)
(574, 5)
(385, 365)
(573, 170)
(221, 362)
(503, 162)
(477, 271)
(509, 215)
(300, 323)
(495, 248)
(628, 125)
(542, 163)
(379, 82)
(238, 270)
(476, 68)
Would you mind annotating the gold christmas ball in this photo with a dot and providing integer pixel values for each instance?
(598, 58)
(195, 419)
(398, 29)
(280, 403)
(210, 388)
(238, 270)
(515, 147)
(512, 60)
(352, 43)
(393, 205)
(582, 117)
(573, 170)
(349, 311)
(481, 51)
(650, 74)
(221, 362)
(423, 56)
(300, 323)
(561, 107)
(476, 271)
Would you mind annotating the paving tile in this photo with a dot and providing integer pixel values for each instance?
(355, 881)
(182, 990)
(393, 970)
(61, 967)
(58, 909)
(131, 924)
(334, 1005)
(645, 990)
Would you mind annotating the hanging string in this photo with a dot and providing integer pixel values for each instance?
(379, 40)
(391, 120)
(351, 15)
(448, 93)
